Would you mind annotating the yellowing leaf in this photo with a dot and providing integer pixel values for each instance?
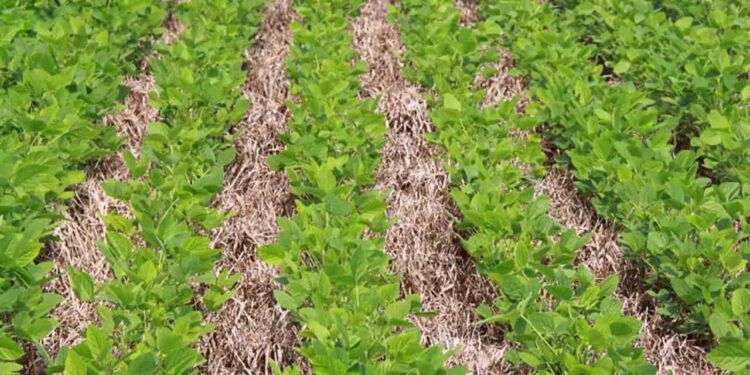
(740, 302)
(74, 364)
(731, 355)
(621, 67)
(746, 93)
(285, 300)
(718, 121)
(82, 284)
(9, 349)
(272, 254)
(147, 271)
(684, 22)
(450, 102)
(710, 137)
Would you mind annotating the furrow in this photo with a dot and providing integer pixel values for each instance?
(337, 282)
(251, 329)
(83, 228)
(164, 267)
(422, 242)
(554, 311)
(664, 346)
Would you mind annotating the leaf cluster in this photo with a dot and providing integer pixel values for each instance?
(692, 60)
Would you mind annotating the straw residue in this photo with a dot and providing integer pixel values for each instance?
(77, 237)
(251, 329)
(422, 242)
(602, 253)
(671, 352)
(502, 86)
(469, 11)
(664, 347)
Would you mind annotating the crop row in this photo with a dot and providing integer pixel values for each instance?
(161, 257)
(688, 231)
(559, 318)
(692, 61)
(335, 273)
(62, 66)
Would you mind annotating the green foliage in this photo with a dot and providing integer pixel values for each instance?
(689, 232)
(62, 64)
(163, 254)
(562, 320)
(692, 60)
(335, 273)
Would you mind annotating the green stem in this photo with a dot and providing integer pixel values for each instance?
(42, 353)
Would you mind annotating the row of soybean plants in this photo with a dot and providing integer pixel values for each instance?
(692, 59)
(560, 319)
(62, 64)
(335, 273)
(161, 258)
(625, 143)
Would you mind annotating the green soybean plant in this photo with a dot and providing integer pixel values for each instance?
(161, 258)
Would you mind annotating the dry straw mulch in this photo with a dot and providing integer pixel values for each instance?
(422, 242)
(663, 345)
(77, 237)
(252, 329)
